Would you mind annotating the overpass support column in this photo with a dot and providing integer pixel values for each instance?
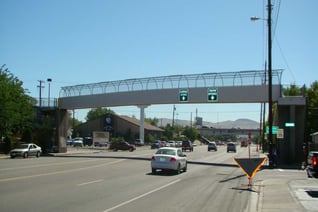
(142, 122)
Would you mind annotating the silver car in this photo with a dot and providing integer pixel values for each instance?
(26, 150)
(169, 158)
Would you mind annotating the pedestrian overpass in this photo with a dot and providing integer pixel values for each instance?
(225, 87)
(212, 88)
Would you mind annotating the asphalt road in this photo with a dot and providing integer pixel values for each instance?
(122, 181)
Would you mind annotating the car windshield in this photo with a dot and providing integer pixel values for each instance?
(166, 152)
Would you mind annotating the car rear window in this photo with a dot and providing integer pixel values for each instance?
(166, 152)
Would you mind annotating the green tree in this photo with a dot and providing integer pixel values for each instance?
(190, 133)
(96, 112)
(15, 116)
(168, 131)
(312, 109)
(293, 90)
(153, 122)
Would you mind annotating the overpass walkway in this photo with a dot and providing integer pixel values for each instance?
(230, 87)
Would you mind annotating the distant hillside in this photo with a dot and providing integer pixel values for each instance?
(239, 123)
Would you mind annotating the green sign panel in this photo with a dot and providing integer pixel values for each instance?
(212, 94)
(183, 95)
(290, 124)
(274, 130)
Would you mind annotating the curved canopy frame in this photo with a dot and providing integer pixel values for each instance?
(222, 79)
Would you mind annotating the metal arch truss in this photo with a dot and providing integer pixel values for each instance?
(222, 79)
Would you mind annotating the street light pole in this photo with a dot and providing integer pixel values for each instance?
(49, 80)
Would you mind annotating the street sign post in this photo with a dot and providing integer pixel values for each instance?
(280, 133)
(289, 124)
(274, 130)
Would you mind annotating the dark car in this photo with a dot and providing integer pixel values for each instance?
(88, 141)
(212, 146)
(187, 145)
(122, 146)
(312, 164)
(100, 144)
(231, 147)
(156, 144)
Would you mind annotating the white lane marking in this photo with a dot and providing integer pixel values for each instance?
(95, 181)
(140, 196)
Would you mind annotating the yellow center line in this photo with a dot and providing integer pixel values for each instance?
(58, 172)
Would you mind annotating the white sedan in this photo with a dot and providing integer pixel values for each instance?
(169, 158)
(26, 150)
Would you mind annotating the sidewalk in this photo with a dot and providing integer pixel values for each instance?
(283, 190)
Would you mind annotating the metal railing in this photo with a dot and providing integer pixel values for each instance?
(241, 78)
(47, 103)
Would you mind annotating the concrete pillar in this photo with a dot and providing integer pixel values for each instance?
(292, 144)
(61, 129)
(142, 122)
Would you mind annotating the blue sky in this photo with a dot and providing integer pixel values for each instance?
(87, 41)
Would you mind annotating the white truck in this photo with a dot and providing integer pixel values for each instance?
(100, 138)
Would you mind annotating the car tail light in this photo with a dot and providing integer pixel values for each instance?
(314, 161)
(172, 160)
(153, 158)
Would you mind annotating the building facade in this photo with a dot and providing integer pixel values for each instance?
(118, 126)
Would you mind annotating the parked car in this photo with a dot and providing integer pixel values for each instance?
(78, 142)
(100, 144)
(139, 142)
(231, 147)
(122, 146)
(69, 142)
(88, 141)
(187, 145)
(155, 144)
(169, 158)
(212, 146)
(312, 164)
(171, 143)
(26, 150)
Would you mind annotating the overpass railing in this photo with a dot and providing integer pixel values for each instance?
(222, 79)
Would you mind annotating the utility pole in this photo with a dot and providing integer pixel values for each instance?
(270, 100)
(40, 93)
(174, 109)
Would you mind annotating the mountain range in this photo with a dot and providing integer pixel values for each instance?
(239, 123)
